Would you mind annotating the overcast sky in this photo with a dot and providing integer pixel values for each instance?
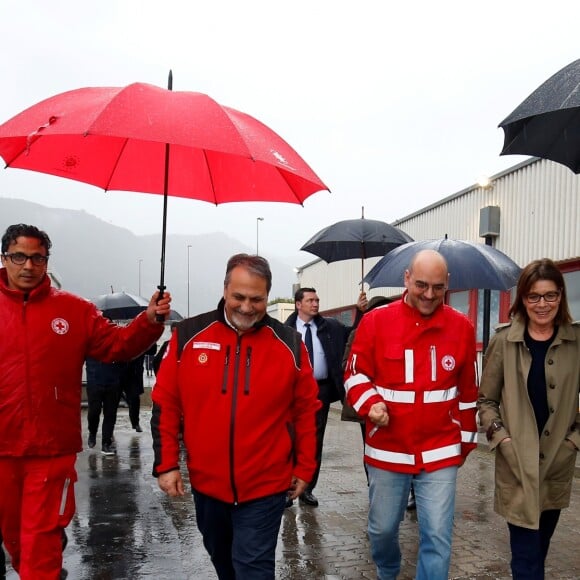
(395, 105)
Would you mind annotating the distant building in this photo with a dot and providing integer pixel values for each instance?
(280, 310)
(538, 204)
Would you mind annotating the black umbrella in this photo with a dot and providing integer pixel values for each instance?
(547, 123)
(471, 265)
(354, 239)
(125, 306)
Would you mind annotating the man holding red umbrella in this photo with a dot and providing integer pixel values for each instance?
(46, 336)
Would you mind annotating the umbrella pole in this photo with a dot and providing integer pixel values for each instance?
(161, 286)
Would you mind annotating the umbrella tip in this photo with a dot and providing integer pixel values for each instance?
(362, 212)
(170, 80)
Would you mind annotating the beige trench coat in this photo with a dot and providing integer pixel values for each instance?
(532, 473)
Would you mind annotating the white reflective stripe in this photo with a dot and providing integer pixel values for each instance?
(468, 436)
(440, 396)
(389, 456)
(393, 396)
(355, 380)
(64, 496)
(363, 398)
(465, 406)
(441, 453)
(409, 366)
(433, 364)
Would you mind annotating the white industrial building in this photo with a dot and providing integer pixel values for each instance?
(539, 217)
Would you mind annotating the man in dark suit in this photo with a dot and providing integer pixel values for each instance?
(325, 339)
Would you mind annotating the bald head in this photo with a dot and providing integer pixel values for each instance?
(430, 259)
(426, 281)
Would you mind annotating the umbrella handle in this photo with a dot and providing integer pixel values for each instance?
(161, 288)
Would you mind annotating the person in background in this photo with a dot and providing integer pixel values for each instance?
(325, 339)
(348, 413)
(528, 406)
(132, 387)
(411, 374)
(103, 391)
(46, 336)
(241, 383)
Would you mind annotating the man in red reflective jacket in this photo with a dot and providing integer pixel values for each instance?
(241, 385)
(411, 374)
(46, 336)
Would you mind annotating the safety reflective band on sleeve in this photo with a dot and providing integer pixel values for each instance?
(409, 364)
(441, 453)
(468, 436)
(389, 456)
(466, 406)
(355, 380)
(363, 398)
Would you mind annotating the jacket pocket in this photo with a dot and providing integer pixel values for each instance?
(398, 364)
(507, 467)
(562, 468)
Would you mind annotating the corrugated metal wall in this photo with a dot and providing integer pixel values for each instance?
(540, 217)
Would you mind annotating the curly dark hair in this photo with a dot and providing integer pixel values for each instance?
(23, 230)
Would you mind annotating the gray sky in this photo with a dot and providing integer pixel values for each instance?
(395, 105)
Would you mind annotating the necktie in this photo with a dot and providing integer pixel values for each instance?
(308, 343)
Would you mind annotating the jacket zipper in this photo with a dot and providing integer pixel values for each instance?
(433, 364)
(247, 375)
(232, 419)
(226, 370)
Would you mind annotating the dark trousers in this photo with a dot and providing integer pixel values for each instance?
(2, 558)
(321, 420)
(107, 399)
(241, 539)
(530, 547)
(134, 403)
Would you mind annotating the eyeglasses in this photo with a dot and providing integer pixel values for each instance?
(423, 287)
(19, 259)
(548, 297)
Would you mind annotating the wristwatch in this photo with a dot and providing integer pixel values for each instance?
(493, 428)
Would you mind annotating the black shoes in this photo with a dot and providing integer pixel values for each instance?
(108, 449)
(138, 428)
(309, 499)
(92, 441)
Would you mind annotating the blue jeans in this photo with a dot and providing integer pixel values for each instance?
(530, 547)
(435, 498)
(241, 539)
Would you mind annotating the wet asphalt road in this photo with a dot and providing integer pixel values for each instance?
(125, 528)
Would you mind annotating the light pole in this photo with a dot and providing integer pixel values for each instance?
(258, 220)
(140, 260)
(188, 247)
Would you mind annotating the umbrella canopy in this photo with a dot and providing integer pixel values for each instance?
(471, 265)
(547, 123)
(125, 306)
(153, 140)
(354, 239)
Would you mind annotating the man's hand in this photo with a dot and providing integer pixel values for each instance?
(162, 307)
(378, 415)
(362, 302)
(297, 487)
(171, 483)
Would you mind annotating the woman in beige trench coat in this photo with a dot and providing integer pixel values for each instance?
(528, 405)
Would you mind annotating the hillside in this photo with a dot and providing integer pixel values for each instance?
(92, 257)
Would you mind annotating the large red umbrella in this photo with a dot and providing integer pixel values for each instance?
(153, 140)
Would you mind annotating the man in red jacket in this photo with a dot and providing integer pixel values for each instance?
(46, 336)
(411, 374)
(241, 385)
